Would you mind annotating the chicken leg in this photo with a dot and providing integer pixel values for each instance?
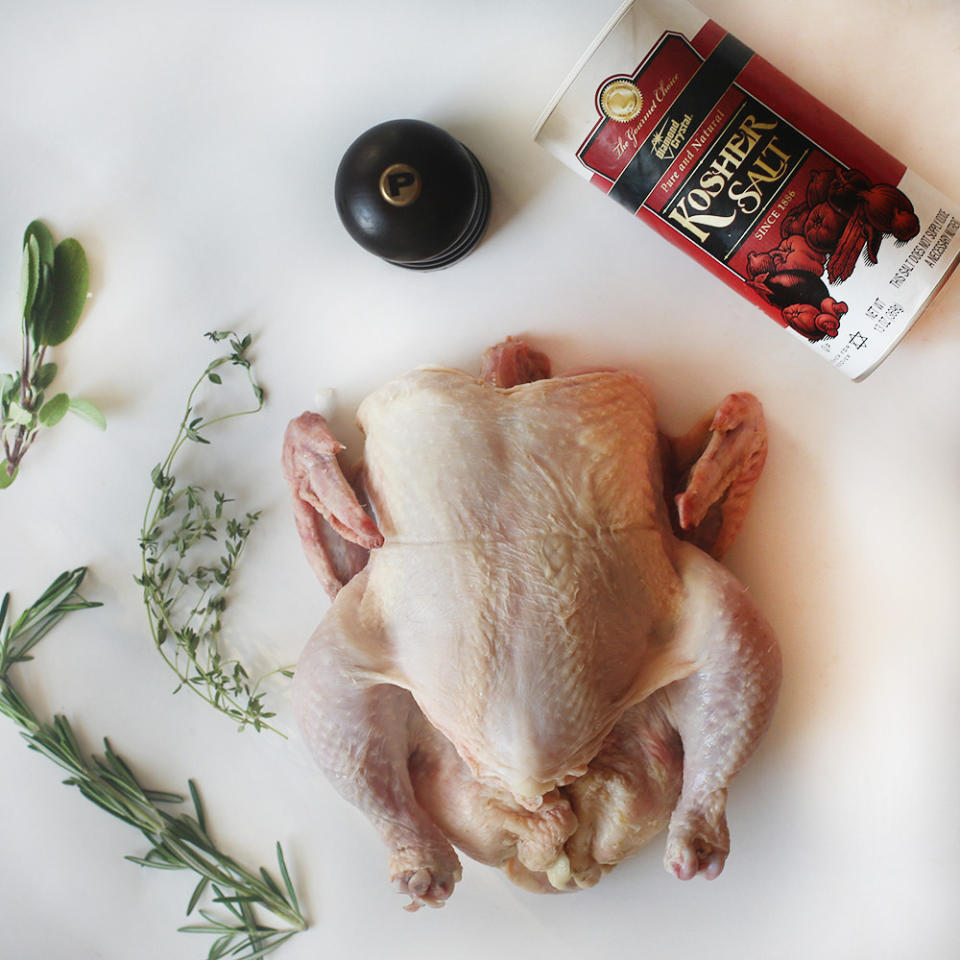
(720, 711)
(357, 726)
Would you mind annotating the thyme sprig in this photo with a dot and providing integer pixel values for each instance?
(185, 598)
(54, 279)
(178, 841)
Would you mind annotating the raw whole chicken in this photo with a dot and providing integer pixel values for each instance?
(532, 653)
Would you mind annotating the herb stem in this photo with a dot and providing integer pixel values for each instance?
(53, 292)
(185, 603)
(178, 842)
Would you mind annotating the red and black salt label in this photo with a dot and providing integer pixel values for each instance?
(726, 157)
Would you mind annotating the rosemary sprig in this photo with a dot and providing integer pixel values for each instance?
(185, 599)
(53, 290)
(178, 841)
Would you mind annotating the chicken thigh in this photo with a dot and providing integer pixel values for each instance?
(532, 653)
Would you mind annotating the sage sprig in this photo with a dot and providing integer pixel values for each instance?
(178, 841)
(54, 281)
(185, 597)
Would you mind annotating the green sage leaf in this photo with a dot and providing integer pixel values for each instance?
(39, 238)
(29, 280)
(9, 385)
(38, 231)
(45, 376)
(6, 478)
(89, 412)
(54, 410)
(18, 416)
(70, 282)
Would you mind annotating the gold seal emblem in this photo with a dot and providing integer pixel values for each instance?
(620, 100)
(400, 184)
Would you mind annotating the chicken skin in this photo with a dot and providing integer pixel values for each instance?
(532, 653)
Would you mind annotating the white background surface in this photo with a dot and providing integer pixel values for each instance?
(192, 147)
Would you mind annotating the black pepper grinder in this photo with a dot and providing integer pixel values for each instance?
(411, 194)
